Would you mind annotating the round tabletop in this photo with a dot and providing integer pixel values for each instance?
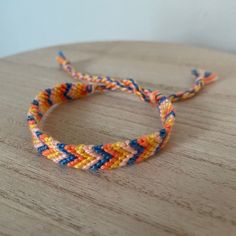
(189, 188)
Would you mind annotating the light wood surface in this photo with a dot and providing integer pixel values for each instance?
(188, 189)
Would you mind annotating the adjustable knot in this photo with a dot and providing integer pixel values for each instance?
(155, 96)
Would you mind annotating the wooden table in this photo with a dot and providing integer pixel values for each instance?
(188, 189)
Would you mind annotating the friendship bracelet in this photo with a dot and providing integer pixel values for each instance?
(111, 155)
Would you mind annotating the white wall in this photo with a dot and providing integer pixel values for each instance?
(29, 24)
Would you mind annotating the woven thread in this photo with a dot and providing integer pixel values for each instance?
(111, 155)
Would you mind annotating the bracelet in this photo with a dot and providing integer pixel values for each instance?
(111, 155)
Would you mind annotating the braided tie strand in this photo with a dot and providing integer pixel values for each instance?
(111, 155)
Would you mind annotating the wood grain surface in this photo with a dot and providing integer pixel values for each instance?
(187, 189)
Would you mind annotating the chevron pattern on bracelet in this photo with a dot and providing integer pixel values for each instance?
(111, 155)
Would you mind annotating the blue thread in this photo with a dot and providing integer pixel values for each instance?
(109, 79)
(42, 148)
(195, 72)
(93, 168)
(169, 114)
(66, 160)
(134, 83)
(30, 118)
(70, 157)
(38, 133)
(207, 74)
(162, 99)
(106, 157)
(68, 87)
(163, 133)
(61, 54)
(48, 91)
(135, 145)
(35, 102)
(61, 146)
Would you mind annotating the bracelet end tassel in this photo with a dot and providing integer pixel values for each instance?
(208, 77)
(61, 59)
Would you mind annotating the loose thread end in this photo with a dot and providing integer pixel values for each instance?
(61, 59)
(195, 72)
(207, 76)
(210, 78)
(61, 54)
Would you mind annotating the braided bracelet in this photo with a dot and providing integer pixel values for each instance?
(111, 155)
